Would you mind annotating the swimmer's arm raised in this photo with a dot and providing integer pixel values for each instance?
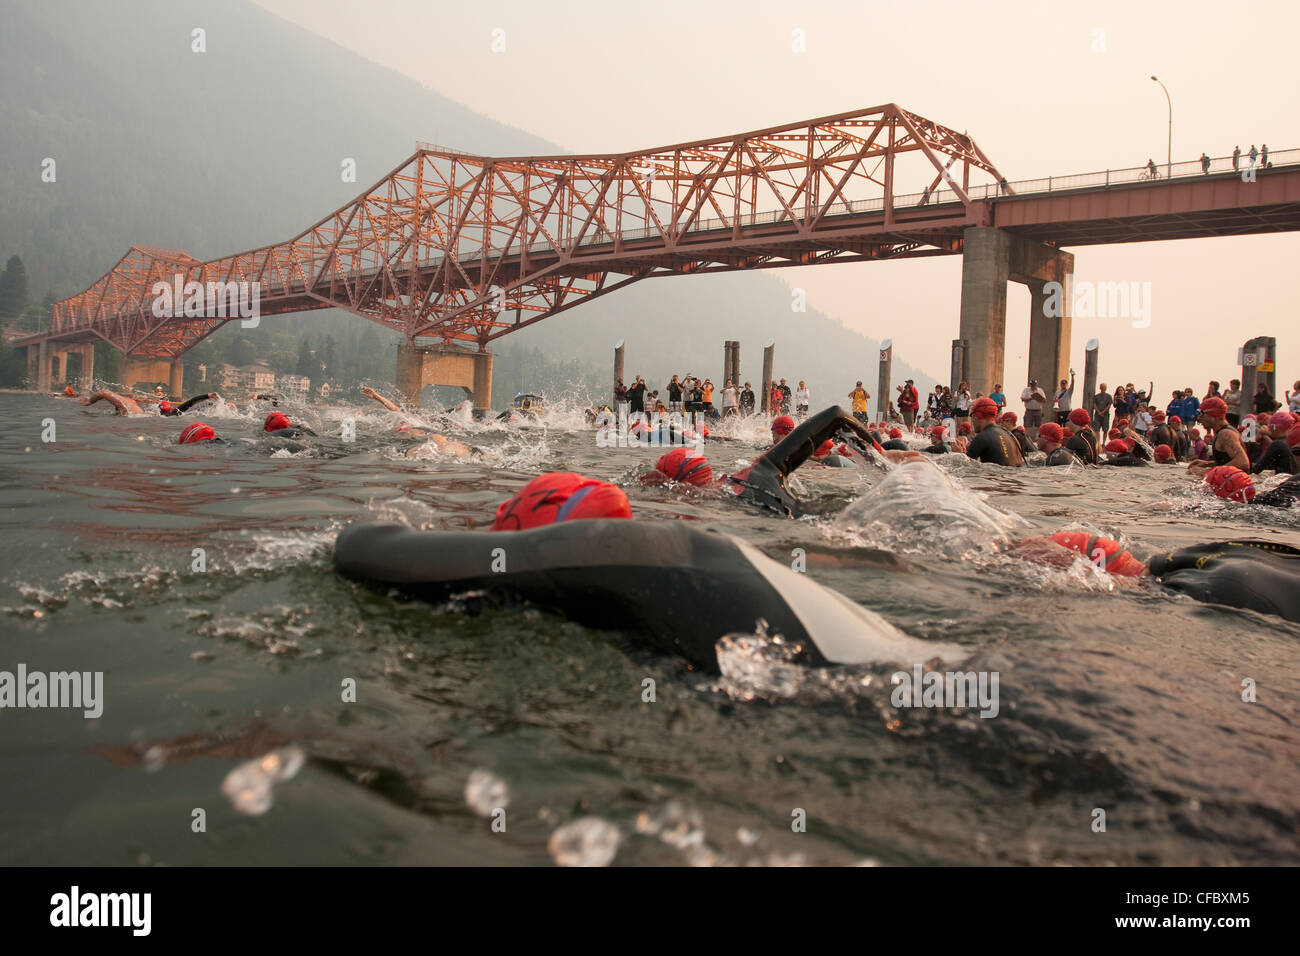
(371, 393)
(190, 403)
(103, 395)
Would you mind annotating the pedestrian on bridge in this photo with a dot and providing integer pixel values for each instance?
(1205, 163)
(1263, 156)
(1253, 154)
(1236, 158)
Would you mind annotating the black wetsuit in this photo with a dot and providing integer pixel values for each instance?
(185, 406)
(1061, 456)
(1022, 440)
(995, 445)
(763, 483)
(293, 431)
(1283, 496)
(895, 444)
(1258, 575)
(1081, 448)
(939, 449)
(1128, 459)
(634, 576)
(1277, 457)
(1162, 434)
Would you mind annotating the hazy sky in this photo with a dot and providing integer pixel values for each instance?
(1024, 79)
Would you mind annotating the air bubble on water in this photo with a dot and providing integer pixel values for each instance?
(154, 759)
(248, 787)
(486, 792)
(746, 836)
(589, 841)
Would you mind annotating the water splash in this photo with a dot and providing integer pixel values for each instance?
(589, 841)
(249, 786)
(485, 793)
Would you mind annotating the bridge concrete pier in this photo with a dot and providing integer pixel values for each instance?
(147, 368)
(991, 258)
(421, 365)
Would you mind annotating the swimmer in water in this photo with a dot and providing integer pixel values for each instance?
(278, 424)
(937, 444)
(1008, 421)
(198, 432)
(1227, 448)
(167, 408)
(1120, 452)
(1051, 438)
(1230, 482)
(565, 554)
(1080, 440)
(1277, 455)
(763, 482)
(406, 430)
(992, 443)
(122, 404)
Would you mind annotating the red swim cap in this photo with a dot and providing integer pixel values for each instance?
(782, 425)
(164, 406)
(1214, 406)
(1175, 420)
(1117, 447)
(1194, 434)
(1051, 431)
(274, 422)
(687, 465)
(196, 431)
(895, 433)
(1227, 481)
(1282, 420)
(1112, 558)
(1115, 433)
(1008, 418)
(1080, 418)
(69, 391)
(964, 428)
(938, 431)
(561, 496)
(823, 449)
(1164, 453)
(984, 408)
(1157, 416)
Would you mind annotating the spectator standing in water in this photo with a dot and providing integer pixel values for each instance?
(747, 400)
(1034, 398)
(730, 400)
(1101, 403)
(675, 395)
(786, 400)
(859, 397)
(802, 398)
(1232, 399)
(908, 402)
(636, 397)
(1061, 400)
(620, 398)
(998, 397)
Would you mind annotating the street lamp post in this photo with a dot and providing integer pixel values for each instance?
(1169, 169)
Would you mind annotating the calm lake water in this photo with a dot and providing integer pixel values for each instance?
(1115, 696)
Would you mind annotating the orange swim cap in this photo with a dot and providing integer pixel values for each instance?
(1230, 482)
(1106, 553)
(561, 496)
(196, 431)
(69, 391)
(686, 465)
(274, 422)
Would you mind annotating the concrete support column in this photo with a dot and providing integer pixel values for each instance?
(986, 268)
(1090, 357)
(43, 369)
(176, 380)
(418, 366)
(88, 366)
(960, 365)
(769, 352)
(618, 367)
(735, 363)
(481, 390)
(883, 382)
(1049, 338)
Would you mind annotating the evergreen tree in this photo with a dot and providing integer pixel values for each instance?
(14, 295)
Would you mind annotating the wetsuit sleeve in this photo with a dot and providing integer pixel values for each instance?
(1283, 496)
(1278, 457)
(798, 446)
(185, 406)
